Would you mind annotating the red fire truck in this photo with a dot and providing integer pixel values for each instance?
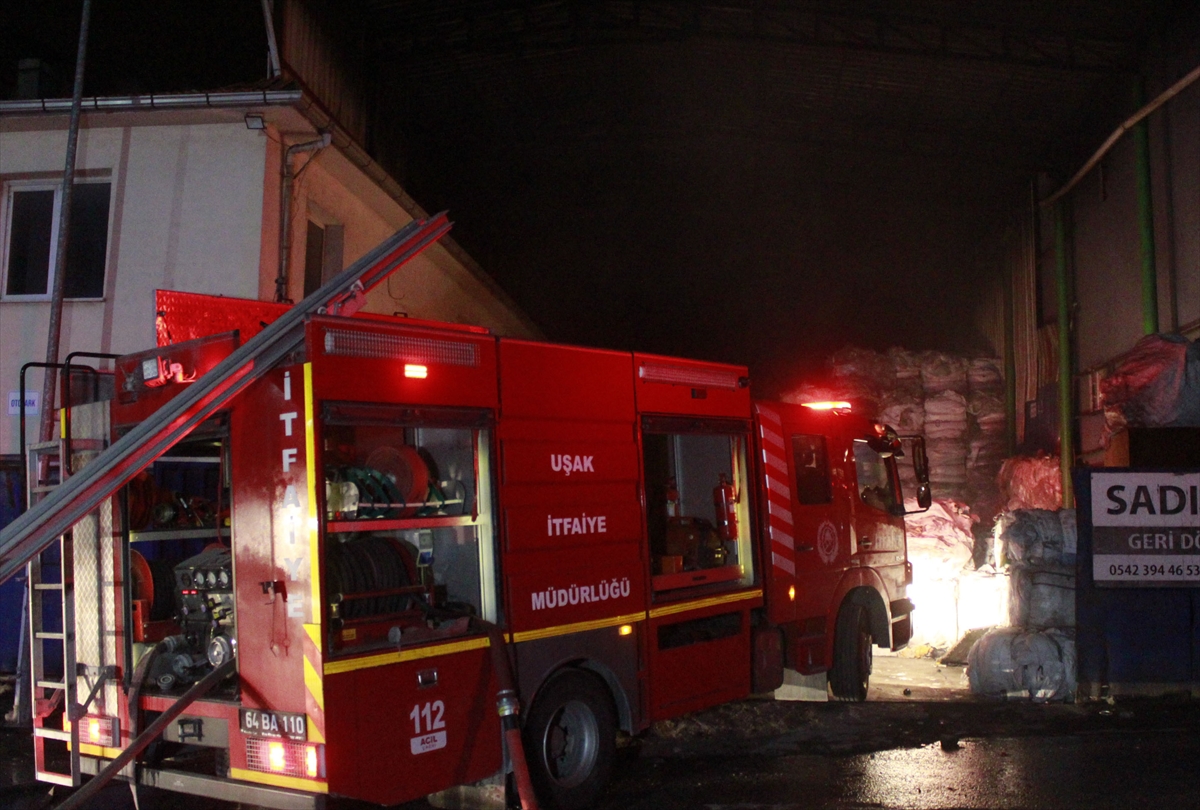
(341, 535)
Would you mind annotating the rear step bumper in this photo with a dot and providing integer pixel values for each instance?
(217, 788)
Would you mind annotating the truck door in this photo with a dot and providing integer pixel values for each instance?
(878, 525)
(823, 538)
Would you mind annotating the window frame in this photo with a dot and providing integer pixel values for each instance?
(10, 187)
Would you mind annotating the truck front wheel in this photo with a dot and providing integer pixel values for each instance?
(852, 657)
(570, 741)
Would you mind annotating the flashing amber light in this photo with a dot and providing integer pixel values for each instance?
(310, 762)
(93, 728)
(626, 629)
(827, 406)
(276, 757)
(792, 593)
(415, 371)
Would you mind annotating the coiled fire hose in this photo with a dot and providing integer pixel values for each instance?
(509, 708)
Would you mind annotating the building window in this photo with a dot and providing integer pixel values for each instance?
(31, 228)
(322, 255)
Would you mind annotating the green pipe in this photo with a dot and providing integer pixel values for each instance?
(1066, 409)
(1145, 200)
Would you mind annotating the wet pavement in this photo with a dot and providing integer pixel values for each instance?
(934, 747)
(1122, 770)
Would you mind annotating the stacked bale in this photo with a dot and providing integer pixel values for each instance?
(1036, 656)
(985, 448)
(903, 406)
(944, 380)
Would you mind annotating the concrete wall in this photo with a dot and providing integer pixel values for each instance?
(185, 213)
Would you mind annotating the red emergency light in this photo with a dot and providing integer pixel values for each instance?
(827, 406)
(415, 371)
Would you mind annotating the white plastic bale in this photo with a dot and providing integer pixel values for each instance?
(1013, 662)
(1041, 599)
(1035, 537)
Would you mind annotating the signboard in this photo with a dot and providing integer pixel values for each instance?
(31, 403)
(1145, 528)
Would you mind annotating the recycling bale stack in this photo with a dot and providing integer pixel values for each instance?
(985, 442)
(1035, 657)
(903, 405)
(944, 380)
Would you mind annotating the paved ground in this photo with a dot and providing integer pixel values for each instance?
(936, 747)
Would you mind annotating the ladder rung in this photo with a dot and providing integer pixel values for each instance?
(47, 586)
(36, 446)
(52, 734)
(63, 779)
(51, 685)
(48, 636)
(47, 488)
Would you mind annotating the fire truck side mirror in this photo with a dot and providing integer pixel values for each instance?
(921, 467)
(924, 495)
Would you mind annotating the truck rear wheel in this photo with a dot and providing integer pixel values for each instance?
(570, 741)
(852, 655)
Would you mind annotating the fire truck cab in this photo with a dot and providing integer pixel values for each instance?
(650, 541)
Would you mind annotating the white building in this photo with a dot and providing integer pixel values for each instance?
(180, 192)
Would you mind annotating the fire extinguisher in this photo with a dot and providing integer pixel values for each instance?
(725, 501)
(672, 499)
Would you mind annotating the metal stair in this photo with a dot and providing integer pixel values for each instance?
(50, 590)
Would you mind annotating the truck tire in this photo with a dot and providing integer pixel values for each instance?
(570, 741)
(852, 656)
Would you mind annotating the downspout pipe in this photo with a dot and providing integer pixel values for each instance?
(46, 429)
(1145, 210)
(1066, 404)
(285, 212)
(272, 42)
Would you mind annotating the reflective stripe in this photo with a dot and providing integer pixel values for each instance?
(684, 607)
(771, 436)
(783, 563)
(778, 511)
(577, 627)
(782, 538)
(352, 664)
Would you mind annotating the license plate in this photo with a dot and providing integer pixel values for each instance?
(266, 723)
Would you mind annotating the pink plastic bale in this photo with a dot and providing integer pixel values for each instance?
(1031, 482)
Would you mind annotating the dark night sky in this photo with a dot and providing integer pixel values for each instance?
(732, 200)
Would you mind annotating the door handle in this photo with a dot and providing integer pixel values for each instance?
(865, 544)
(805, 547)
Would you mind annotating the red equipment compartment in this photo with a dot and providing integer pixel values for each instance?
(141, 390)
(677, 386)
(272, 548)
(699, 658)
(569, 487)
(565, 383)
(394, 363)
(399, 731)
